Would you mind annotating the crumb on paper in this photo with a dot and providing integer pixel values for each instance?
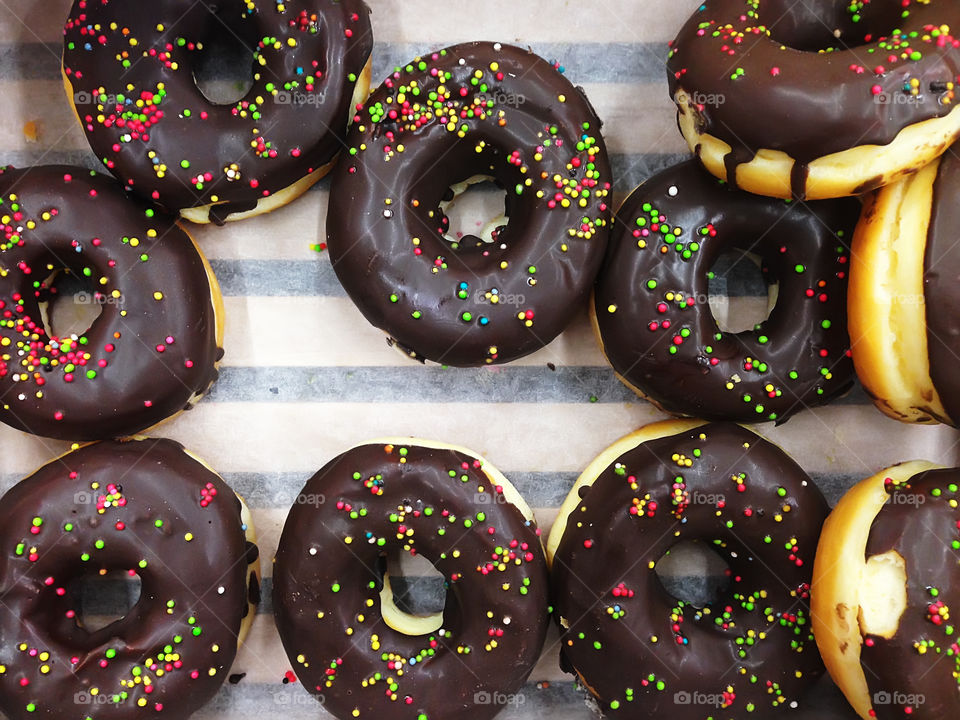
(31, 131)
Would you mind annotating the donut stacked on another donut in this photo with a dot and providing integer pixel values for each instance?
(343, 634)
(885, 590)
(154, 348)
(817, 99)
(645, 654)
(651, 303)
(905, 296)
(147, 508)
(478, 109)
(128, 71)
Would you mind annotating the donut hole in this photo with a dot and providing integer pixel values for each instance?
(692, 572)
(812, 27)
(414, 593)
(102, 599)
(474, 212)
(741, 296)
(224, 66)
(70, 305)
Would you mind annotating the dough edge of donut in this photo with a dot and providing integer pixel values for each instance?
(201, 215)
(839, 565)
(848, 172)
(886, 303)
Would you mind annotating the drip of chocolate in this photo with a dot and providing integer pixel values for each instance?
(815, 78)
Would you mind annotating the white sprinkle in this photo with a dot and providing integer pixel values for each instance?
(313, 551)
(221, 590)
(672, 192)
(388, 213)
(506, 620)
(497, 46)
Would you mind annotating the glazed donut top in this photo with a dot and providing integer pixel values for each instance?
(477, 109)
(447, 506)
(154, 347)
(130, 69)
(772, 73)
(637, 647)
(652, 299)
(922, 524)
(144, 507)
(941, 285)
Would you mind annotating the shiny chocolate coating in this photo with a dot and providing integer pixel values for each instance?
(916, 673)
(152, 350)
(438, 503)
(478, 109)
(146, 508)
(645, 654)
(652, 299)
(131, 72)
(941, 286)
(814, 78)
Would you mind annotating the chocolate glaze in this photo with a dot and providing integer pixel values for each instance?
(661, 336)
(646, 654)
(329, 570)
(117, 493)
(149, 356)
(301, 123)
(468, 302)
(922, 523)
(941, 286)
(807, 103)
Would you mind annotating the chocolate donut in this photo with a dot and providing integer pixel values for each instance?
(346, 639)
(473, 110)
(885, 582)
(652, 312)
(154, 348)
(129, 73)
(904, 296)
(643, 653)
(817, 99)
(146, 508)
